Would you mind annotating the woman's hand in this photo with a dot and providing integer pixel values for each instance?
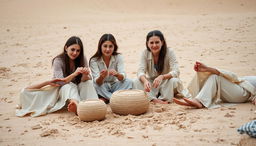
(200, 67)
(85, 74)
(78, 71)
(113, 72)
(147, 86)
(103, 73)
(158, 81)
(85, 71)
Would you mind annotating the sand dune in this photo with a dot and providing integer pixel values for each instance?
(217, 32)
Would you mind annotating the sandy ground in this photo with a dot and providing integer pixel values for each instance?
(220, 33)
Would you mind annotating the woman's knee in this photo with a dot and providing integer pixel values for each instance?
(213, 76)
(68, 86)
(86, 83)
(173, 81)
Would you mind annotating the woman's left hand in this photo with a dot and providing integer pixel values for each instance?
(85, 71)
(158, 81)
(112, 72)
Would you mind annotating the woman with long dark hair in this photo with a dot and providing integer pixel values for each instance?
(158, 72)
(107, 68)
(71, 83)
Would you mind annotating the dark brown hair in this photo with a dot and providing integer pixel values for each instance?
(163, 50)
(79, 61)
(105, 37)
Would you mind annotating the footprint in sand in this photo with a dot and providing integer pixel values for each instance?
(4, 70)
(49, 132)
(157, 127)
(35, 127)
(22, 65)
(228, 115)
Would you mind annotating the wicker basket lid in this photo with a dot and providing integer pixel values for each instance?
(92, 109)
(126, 102)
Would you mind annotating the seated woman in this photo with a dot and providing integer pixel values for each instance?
(107, 68)
(158, 72)
(211, 84)
(73, 84)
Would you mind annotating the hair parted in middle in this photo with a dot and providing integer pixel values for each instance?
(105, 37)
(163, 50)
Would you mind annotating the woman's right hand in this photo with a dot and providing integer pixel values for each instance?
(147, 86)
(103, 73)
(79, 70)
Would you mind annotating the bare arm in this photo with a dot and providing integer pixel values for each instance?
(53, 82)
(73, 75)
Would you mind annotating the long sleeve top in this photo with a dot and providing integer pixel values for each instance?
(59, 67)
(116, 62)
(146, 66)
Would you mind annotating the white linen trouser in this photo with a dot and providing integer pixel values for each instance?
(42, 101)
(167, 88)
(229, 92)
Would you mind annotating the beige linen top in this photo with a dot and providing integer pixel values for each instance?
(146, 66)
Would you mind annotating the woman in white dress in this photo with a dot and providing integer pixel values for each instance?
(211, 84)
(72, 83)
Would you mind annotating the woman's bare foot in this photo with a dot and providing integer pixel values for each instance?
(193, 102)
(159, 101)
(72, 106)
(180, 102)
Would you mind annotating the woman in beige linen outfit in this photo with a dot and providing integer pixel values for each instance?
(73, 84)
(211, 84)
(158, 72)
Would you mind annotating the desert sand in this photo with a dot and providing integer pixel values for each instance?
(220, 33)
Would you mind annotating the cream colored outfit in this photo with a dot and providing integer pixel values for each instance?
(168, 87)
(49, 99)
(209, 88)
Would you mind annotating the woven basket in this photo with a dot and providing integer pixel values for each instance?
(126, 102)
(90, 110)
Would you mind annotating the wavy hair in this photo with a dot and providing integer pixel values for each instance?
(79, 61)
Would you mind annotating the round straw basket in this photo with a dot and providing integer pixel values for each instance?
(90, 110)
(126, 102)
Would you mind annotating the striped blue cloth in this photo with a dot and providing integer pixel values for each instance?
(248, 128)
